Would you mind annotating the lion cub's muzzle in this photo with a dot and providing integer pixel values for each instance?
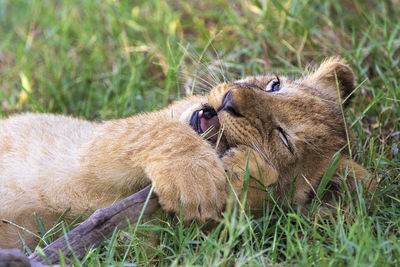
(229, 106)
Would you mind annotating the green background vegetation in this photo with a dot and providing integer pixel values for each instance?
(110, 59)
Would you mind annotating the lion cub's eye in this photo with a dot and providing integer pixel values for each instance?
(275, 85)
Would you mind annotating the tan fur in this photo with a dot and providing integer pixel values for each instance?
(50, 163)
(309, 111)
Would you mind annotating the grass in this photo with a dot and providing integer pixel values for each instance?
(111, 59)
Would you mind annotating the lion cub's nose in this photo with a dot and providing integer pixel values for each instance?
(229, 106)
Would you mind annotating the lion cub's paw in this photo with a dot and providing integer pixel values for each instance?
(199, 192)
(238, 159)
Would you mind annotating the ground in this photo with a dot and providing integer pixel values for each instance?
(111, 59)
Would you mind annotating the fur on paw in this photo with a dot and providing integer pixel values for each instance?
(262, 175)
(197, 190)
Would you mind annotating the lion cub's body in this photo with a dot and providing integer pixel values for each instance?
(283, 131)
(49, 163)
(38, 164)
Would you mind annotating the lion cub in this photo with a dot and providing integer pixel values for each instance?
(195, 151)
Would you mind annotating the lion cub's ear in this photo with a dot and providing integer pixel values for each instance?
(331, 74)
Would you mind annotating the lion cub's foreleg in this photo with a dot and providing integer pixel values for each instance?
(125, 155)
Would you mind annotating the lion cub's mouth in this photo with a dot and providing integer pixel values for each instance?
(206, 123)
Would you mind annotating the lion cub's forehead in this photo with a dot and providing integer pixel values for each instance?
(258, 80)
(287, 85)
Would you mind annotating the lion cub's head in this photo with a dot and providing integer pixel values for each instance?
(296, 125)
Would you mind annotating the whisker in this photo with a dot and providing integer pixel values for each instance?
(200, 62)
(207, 75)
(222, 71)
(262, 153)
(191, 86)
(199, 78)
